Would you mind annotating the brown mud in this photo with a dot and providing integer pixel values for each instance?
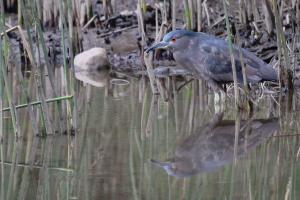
(120, 36)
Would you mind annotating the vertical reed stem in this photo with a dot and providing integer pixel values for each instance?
(20, 16)
(35, 69)
(2, 21)
(173, 15)
(187, 14)
(73, 82)
(229, 38)
(199, 15)
(13, 111)
(282, 49)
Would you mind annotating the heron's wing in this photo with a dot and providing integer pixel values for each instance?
(217, 62)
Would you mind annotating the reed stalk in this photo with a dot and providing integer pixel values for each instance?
(143, 122)
(35, 166)
(249, 104)
(174, 4)
(65, 37)
(156, 21)
(30, 153)
(282, 49)
(176, 106)
(206, 12)
(242, 12)
(2, 22)
(192, 107)
(141, 25)
(132, 168)
(148, 58)
(108, 10)
(50, 68)
(191, 13)
(73, 83)
(41, 87)
(13, 170)
(20, 16)
(8, 93)
(199, 15)
(268, 16)
(187, 15)
(151, 116)
(40, 102)
(35, 69)
(255, 10)
(26, 91)
(229, 39)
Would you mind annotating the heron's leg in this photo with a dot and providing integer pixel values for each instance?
(219, 101)
(223, 97)
(219, 95)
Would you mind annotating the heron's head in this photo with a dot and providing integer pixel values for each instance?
(178, 168)
(174, 40)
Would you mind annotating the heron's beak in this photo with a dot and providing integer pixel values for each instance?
(167, 166)
(160, 45)
(160, 164)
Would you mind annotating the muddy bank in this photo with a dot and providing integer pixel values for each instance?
(120, 36)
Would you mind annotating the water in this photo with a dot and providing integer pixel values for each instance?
(121, 128)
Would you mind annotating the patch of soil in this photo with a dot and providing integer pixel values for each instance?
(119, 35)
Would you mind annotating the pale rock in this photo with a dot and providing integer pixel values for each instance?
(91, 60)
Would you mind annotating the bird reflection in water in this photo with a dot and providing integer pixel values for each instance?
(213, 145)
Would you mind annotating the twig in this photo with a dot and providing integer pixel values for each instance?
(118, 31)
(184, 84)
(256, 27)
(89, 22)
(9, 30)
(219, 20)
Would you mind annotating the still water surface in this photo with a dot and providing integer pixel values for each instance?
(129, 141)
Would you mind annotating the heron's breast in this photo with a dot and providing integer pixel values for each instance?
(188, 60)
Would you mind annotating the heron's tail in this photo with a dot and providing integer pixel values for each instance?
(268, 73)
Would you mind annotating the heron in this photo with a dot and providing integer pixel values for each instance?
(208, 58)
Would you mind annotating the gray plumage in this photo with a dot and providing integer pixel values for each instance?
(208, 58)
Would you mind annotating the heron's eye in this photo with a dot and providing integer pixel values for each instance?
(173, 39)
